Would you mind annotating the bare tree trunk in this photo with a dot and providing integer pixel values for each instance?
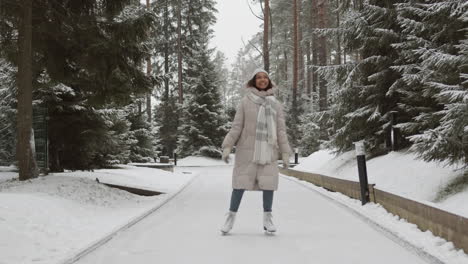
(148, 105)
(309, 68)
(166, 51)
(284, 66)
(189, 20)
(295, 52)
(285, 54)
(179, 51)
(266, 23)
(300, 52)
(322, 53)
(148, 72)
(357, 4)
(338, 37)
(24, 148)
(314, 47)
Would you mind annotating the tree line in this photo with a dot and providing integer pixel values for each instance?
(353, 70)
(96, 66)
(126, 81)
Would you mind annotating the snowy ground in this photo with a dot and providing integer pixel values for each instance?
(7, 173)
(400, 173)
(312, 229)
(51, 219)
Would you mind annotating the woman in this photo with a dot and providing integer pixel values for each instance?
(259, 132)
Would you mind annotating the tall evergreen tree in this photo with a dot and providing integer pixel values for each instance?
(363, 98)
(434, 72)
(170, 50)
(202, 127)
(142, 149)
(167, 115)
(7, 113)
(94, 48)
(222, 73)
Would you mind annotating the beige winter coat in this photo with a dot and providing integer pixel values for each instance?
(246, 174)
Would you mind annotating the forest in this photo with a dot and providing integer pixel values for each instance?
(97, 83)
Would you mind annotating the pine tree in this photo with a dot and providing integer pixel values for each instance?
(95, 49)
(117, 147)
(363, 98)
(167, 44)
(7, 113)
(142, 148)
(280, 50)
(222, 74)
(434, 78)
(167, 115)
(310, 130)
(202, 127)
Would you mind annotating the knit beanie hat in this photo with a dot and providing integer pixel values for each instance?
(258, 71)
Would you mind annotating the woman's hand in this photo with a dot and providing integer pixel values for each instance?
(226, 153)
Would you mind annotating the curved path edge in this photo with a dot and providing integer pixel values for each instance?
(374, 224)
(100, 242)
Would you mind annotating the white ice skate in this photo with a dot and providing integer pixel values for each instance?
(231, 216)
(268, 225)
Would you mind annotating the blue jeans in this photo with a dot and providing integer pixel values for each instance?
(236, 198)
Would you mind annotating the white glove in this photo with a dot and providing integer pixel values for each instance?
(285, 157)
(226, 153)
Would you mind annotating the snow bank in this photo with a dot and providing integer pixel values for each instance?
(138, 177)
(7, 173)
(400, 173)
(48, 219)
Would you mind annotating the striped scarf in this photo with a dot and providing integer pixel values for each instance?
(265, 134)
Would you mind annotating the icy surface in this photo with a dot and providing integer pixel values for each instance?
(311, 228)
(50, 219)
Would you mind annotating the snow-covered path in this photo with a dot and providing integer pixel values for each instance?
(311, 229)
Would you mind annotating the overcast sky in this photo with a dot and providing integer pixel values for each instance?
(234, 23)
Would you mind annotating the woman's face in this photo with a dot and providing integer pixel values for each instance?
(261, 80)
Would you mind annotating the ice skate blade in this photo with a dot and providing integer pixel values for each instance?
(270, 233)
(224, 233)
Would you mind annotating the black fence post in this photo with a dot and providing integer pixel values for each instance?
(361, 162)
(296, 156)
